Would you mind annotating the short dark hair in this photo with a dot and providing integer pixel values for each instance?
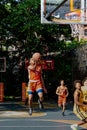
(84, 80)
(77, 81)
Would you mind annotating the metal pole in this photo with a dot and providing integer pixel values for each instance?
(42, 10)
(71, 5)
(82, 10)
(58, 6)
(86, 10)
(44, 6)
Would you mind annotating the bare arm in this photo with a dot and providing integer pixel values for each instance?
(57, 91)
(67, 92)
(32, 67)
(45, 90)
(76, 99)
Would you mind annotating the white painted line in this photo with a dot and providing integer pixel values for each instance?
(59, 126)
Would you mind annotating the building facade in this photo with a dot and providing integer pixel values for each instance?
(83, 32)
(82, 58)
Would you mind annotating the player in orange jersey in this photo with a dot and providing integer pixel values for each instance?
(35, 80)
(62, 93)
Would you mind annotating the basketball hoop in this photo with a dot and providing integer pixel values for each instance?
(76, 29)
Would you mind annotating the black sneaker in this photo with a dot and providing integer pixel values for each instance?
(30, 111)
(26, 101)
(40, 104)
(63, 114)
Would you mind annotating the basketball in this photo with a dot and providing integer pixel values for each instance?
(36, 56)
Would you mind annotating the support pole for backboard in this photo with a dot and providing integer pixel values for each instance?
(86, 10)
(82, 11)
(23, 91)
(42, 10)
(71, 5)
(2, 70)
(1, 91)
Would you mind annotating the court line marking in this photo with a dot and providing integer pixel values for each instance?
(67, 122)
(20, 114)
(58, 126)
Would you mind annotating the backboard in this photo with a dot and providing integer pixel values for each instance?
(64, 11)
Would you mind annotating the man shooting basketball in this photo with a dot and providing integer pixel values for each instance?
(35, 80)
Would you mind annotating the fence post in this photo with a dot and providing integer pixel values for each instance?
(23, 91)
(1, 92)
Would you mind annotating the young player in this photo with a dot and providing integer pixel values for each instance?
(79, 106)
(62, 93)
(84, 90)
(35, 81)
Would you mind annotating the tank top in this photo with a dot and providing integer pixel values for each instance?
(84, 90)
(35, 74)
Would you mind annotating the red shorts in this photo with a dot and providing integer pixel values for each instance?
(61, 100)
(35, 86)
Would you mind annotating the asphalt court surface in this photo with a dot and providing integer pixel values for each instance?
(14, 116)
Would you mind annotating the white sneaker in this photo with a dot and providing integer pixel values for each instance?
(30, 111)
(74, 127)
(40, 104)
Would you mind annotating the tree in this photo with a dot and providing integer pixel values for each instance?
(21, 28)
(23, 24)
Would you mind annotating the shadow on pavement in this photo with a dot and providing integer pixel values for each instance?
(11, 106)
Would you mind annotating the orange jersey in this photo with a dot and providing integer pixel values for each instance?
(62, 97)
(35, 74)
(35, 81)
(63, 92)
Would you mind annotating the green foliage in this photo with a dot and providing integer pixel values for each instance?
(20, 24)
(23, 21)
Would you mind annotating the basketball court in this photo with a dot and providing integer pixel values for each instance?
(14, 116)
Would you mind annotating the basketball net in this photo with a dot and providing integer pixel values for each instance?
(76, 29)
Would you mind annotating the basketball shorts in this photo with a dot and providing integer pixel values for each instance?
(35, 86)
(61, 100)
(80, 112)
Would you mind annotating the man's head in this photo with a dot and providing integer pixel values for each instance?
(77, 84)
(62, 82)
(84, 82)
